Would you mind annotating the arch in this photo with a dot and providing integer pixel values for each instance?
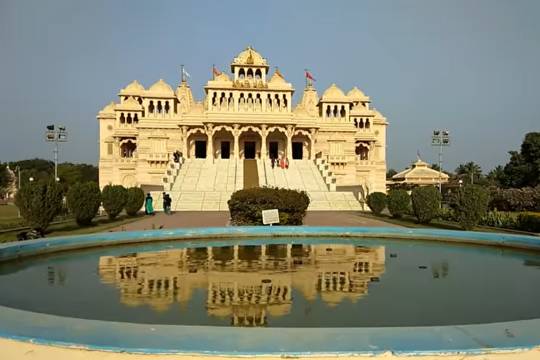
(328, 111)
(151, 107)
(196, 130)
(249, 74)
(244, 129)
(222, 127)
(302, 132)
(122, 118)
(127, 148)
(355, 122)
(301, 145)
(335, 111)
(367, 124)
(343, 112)
(362, 150)
(136, 118)
(222, 141)
(278, 128)
(250, 141)
(258, 74)
(241, 74)
(159, 107)
(128, 119)
(167, 107)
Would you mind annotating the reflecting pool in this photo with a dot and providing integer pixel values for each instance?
(283, 282)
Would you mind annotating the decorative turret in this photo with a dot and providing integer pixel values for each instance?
(309, 101)
(334, 103)
(250, 69)
(185, 97)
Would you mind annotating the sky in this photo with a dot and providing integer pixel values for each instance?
(469, 66)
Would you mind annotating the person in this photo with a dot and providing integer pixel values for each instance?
(286, 163)
(168, 202)
(149, 205)
(164, 202)
(273, 161)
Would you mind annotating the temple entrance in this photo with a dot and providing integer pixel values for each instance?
(297, 150)
(200, 149)
(249, 149)
(225, 149)
(273, 149)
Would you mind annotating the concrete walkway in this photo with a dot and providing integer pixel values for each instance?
(221, 218)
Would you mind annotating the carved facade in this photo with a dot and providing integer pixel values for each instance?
(247, 115)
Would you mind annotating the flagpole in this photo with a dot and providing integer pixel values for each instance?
(182, 72)
(213, 72)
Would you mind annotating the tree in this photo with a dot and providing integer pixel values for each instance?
(435, 167)
(470, 172)
(135, 200)
(114, 199)
(390, 173)
(83, 200)
(496, 177)
(398, 202)
(5, 179)
(426, 201)
(39, 202)
(470, 204)
(523, 168)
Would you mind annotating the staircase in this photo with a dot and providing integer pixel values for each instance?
(202, 185)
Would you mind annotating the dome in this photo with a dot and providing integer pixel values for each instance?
(161, 88)
(334, 93)
(108, 109)
(134, 88)
(130, 105)
(357, 95)
(249, 57)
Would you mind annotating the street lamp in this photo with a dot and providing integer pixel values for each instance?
(30, 179)
(56, 134)
(460, 183)
(440, 138)
(18, 170)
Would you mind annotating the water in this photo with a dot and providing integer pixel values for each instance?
(285, 283)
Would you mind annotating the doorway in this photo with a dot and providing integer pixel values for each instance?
(200, 149)
(225, 149)
(273, 147)
(249, 149)
(297, 150)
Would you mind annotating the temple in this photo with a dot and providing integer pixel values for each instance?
(332, 143)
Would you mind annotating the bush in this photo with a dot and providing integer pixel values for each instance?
(529, 222)
(398, 203)
(246, 205)
(426, 201)
(376, 202)
(500, 219)
(83, 200)
(470, 204)
(524, 199)
(135, 200)
(39, 202)
(114, 199)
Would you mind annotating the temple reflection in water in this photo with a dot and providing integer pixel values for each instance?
(245, 282)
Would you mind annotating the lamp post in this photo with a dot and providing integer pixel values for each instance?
(56, 134)
(440, 138)
(18, 170)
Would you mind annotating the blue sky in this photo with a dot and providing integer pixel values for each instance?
(470, 66)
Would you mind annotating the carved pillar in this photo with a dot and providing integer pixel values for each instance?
(290, 132)
(264, 133)
(236, 134)
(210, 142)
(185, 148)
(312, 143)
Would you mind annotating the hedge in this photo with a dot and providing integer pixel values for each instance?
(246, 205)
(83, 201)
(376, 202)
(135, 200)
(426, 201)
(398, 202)
(470, 204)
(114, 199)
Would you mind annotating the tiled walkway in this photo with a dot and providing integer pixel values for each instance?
(221, 218)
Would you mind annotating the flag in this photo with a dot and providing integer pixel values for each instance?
(309, 76)
(216, 71)
(185, 73)
(418, 154)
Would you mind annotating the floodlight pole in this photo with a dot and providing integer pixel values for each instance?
(440, 138)
(56, 134)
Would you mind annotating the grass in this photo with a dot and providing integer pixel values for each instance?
(71, 228)
(9, 214)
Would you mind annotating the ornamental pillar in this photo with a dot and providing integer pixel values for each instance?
(290, 131)
(312, 144)
(185, 142)
(210, 142)
(236, 134)
(264, 133)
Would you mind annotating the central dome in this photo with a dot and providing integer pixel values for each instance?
(249, 57)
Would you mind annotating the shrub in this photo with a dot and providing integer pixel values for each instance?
(524, 199)
(470, 204)
(376, 202)
(135, 200)
(246, 205)
(500, 219)
(529, 222)
(426, 202)
(398, 202)
(446, 214)
(83, 200)
(39, 202)
(114, 199)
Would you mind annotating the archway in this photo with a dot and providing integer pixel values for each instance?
(301, 146)
(276, 143)
(223, 141)
(250, 144)
(197, 142)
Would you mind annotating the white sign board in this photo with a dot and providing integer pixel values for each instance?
(270, 216)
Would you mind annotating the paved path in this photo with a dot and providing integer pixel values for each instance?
(221, 218)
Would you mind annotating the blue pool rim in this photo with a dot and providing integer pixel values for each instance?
(212, 340)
